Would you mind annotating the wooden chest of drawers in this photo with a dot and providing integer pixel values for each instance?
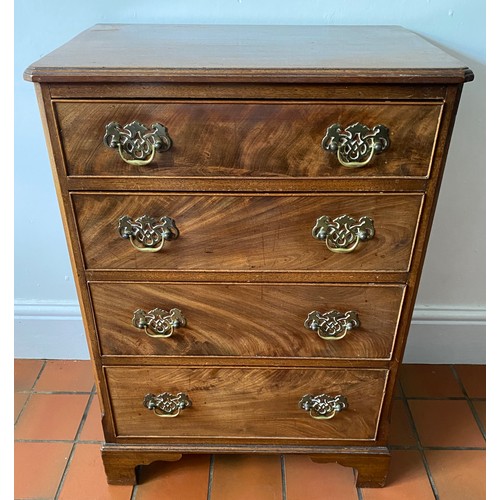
(247, 211)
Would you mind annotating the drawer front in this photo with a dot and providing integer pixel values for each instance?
(246, 233)
(278, 139)
(261, 320)
(252, 403)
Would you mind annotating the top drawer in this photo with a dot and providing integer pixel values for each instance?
(252, 139)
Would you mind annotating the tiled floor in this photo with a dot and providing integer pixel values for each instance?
(438, 446)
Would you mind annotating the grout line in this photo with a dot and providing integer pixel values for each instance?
(72, 393)
(210, 476)
(283, 477)
(420, 447)
(65, 472)
(453, 448)
(469, 402)
(476, 417)
(30, 392)
(416, 447)
(23, 408)
(84, 417)
(459, 380)
(70, 459)
(358, 490)
(134, 492)
(409, 416)
(44, 364)
(429, 474)
(54, 441)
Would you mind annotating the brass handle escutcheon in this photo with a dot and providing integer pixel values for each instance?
(166, 404)
(343, 234)
(150, 233)
(332, 325)
(158, 322)
(355, 144)
(323, 406)
(136, 143)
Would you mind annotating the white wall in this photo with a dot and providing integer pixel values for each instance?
(449, 319)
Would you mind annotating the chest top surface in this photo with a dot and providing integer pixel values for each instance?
(119, 52)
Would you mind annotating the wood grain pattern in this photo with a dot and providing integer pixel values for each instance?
(247, 232)
(218, 139)
(259, 320)
(134, 52)
(319, 276)
(371, 468)
(245, 90)
(247, 109)
(371, 463)
(120, 463)
(258, 403)
(247, 184)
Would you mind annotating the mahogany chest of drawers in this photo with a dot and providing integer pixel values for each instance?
(247, 210)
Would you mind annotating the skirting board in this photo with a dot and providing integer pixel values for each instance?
(54, 330)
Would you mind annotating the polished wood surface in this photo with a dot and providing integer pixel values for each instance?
(248, 233)
(246, 403)
(124, 52)
(371, 463)
(259, 320)
(245, 182)
(247, 90)
(273, 139)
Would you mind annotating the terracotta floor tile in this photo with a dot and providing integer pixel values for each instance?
(25, 373)
(86, 478)
(246, 477)
(446, 423)
(480, 407)
(401, 432)
(51, 416)
(38, 468)
(306, 479)
(92, 428)
(429, 381)
(19, 400)
(66, 376)
(187, 478)
(473, 378)
(407, 479)
(458, 473)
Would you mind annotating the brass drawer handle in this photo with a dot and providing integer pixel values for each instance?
(332, 325)
(149, 232)
(136, 143)
(158, 322)
(166, 404)
(343, 234)
(323, 406)
(356, 144)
